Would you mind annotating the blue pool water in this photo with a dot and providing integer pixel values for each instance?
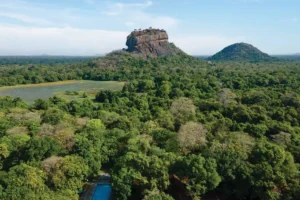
(102, 192)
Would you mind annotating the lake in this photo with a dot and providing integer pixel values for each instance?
(30, 92)
(102, 192)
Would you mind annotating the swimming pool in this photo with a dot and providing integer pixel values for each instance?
(102, 192)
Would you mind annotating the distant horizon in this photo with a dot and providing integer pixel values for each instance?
(62, 55)
(103, 54)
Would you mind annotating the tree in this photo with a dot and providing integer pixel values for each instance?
(164, 89)
(257, 130)
(145, 85)
(176, 93)
(255, 97)
(25, 182)
(226, 97)
(53, 116)
(37, 149)
(84, 95)
(65, 138)
(143, 167)
(41, 104)
(105, 96)
(164, 138)
(4, 126)
(183, 110)
(157, 195)
(274, 171)
(164, 118)
(95, 124)
(191, 136)
(282, 138)
(230, 150)
(4, 153)
(15, 142)
(67, 173)
(89, 148)
(199, 174)
(108, 118)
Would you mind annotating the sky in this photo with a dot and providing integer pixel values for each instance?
(199, 27)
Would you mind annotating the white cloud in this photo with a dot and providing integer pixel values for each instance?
(118, 8)
(79, 41)
(145, 20)
(25, 18)
(18, 40)
(133, 14)
(204, 45)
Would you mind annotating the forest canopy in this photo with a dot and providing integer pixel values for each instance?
(228, 129)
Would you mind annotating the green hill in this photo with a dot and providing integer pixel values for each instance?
(241, 52)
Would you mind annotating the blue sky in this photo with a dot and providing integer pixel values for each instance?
(199, 27)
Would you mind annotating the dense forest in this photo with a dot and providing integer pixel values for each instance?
(181, 128)
(22, 60)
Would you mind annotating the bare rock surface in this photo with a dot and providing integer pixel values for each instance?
(153, 42)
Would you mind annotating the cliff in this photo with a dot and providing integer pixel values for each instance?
(152, 42)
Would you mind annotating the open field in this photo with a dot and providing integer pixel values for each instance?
(31, 92)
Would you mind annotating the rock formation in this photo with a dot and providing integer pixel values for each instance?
(153, 42)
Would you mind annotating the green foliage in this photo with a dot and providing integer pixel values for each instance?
(84, 95)
(157, 195)
(53, 116)
(95, 124)
(89, 149)
(199, 174)
(191, 136)
(106, 96)
(183, 110)
(25, 182)
(39, 149)
(227, 128)
(5, 124)
(68, 92)
(273, 165)
(41, 104)
(143, 167)
(68, 173)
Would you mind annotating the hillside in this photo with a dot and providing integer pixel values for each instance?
(241, 52)
(146, 48)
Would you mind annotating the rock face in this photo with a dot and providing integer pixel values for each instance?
(153, 42)
(241, 52)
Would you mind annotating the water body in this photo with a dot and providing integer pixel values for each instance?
(102, 192)
(31, 92)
